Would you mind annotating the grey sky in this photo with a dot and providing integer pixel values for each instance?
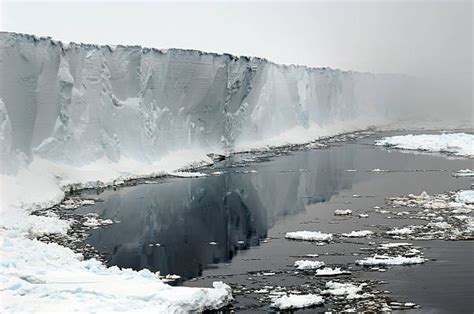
(417, 37)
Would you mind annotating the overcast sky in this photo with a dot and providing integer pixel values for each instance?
(416, 37)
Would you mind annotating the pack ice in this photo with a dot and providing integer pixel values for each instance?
(82, 115)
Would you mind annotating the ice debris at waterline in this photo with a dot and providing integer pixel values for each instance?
(459, 144)
(309, 236)
(446, 213)
(39, 277)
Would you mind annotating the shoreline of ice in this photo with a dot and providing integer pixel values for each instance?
(458, 144)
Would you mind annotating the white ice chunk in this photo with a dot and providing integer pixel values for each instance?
(351, 291)
(390, 260)
(358, 234)
(464, 173)
(342, 212)
(385, 246)
(309, 235)
(295, 301)
(328, 271)
(460, 144)
(465, 197)
(307, 264)
(401, 231)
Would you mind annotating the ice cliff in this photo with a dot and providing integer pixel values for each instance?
(77, 103)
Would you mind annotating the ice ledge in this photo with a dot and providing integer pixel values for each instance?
(111, 47)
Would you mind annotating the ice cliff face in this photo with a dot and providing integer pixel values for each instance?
(76, 103)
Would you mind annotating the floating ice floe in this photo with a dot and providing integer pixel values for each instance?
(358, 234)
(363, 216)
(390, 260)
(401, 231)
(460, 144)
(306, 264)
(74, 202)
(328, 271)
(386, 246)
(170, 278)
(378, 170)
(465, 197)
(94, 222)
(295, 301)
(348, 290)
(342, 212)
(463, 173)
(309, 235)
(187, 174)
(439, 225)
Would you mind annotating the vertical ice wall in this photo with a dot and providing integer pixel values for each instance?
(75, 103)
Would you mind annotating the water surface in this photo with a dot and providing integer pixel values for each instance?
(230, 225)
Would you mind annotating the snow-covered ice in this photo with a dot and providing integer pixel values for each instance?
(387, 246)
(342, 212)
(309, 235)
(358, 234)
(297, 301)
(466, 197)
(40, 277)
(349, 290)
(390, 260)
(328, 271)
(440, 211)
(307, 264)
(401, 231)
(94, 222)
(460, 144)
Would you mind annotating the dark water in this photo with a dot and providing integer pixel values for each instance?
(239, 209)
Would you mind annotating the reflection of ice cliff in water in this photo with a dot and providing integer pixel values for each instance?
(185, 215)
